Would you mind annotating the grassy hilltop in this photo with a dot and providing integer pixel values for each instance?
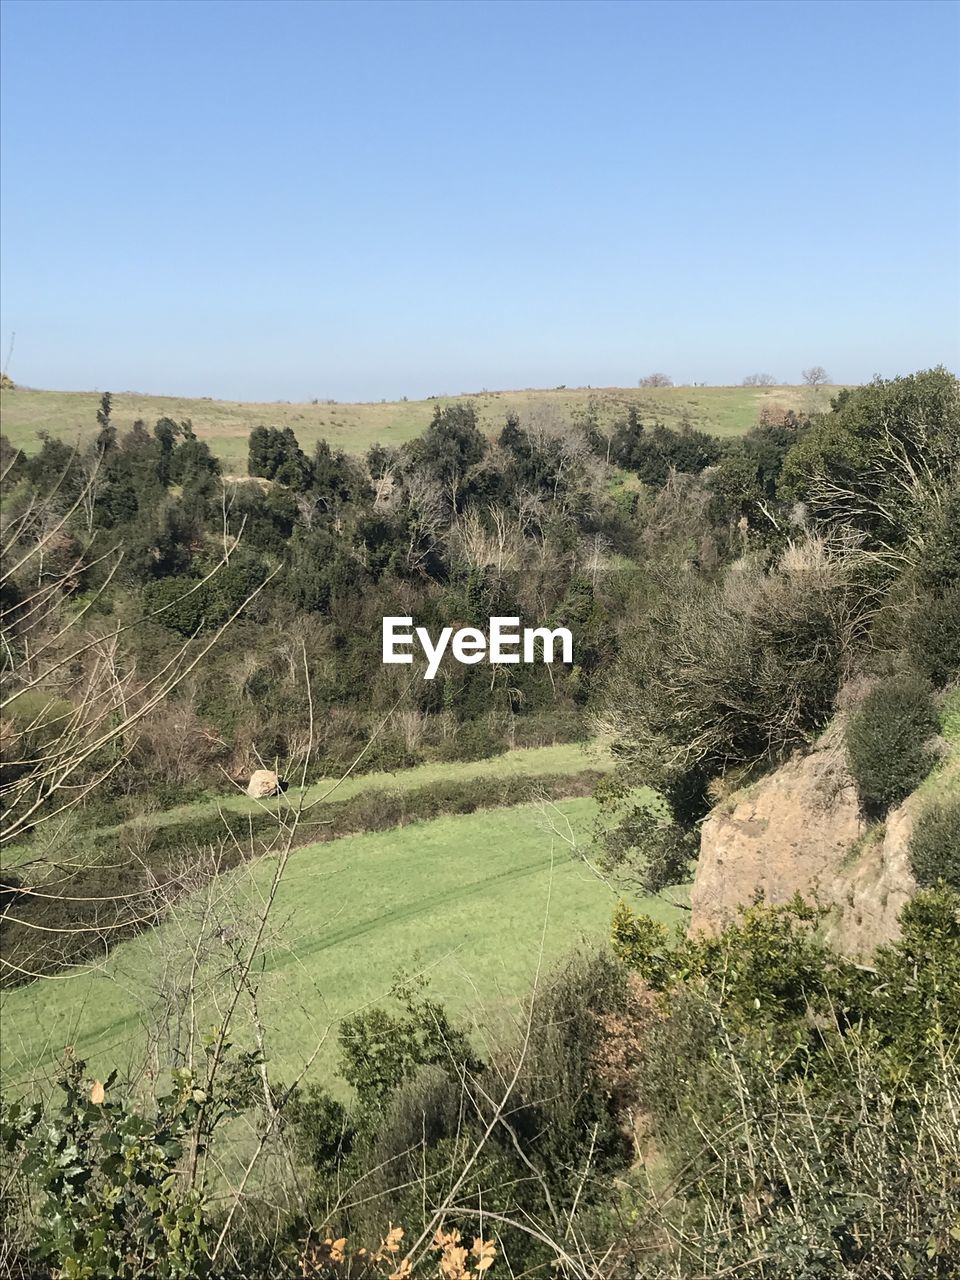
(226, 424)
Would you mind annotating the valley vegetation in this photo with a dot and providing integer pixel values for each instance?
(747, 1103)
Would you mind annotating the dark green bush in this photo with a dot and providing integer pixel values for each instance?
(939, 569)
(180, 603)
(886, 740)
(380, 1050)
(473, 740)
(931, 636)
(321, 1127)
(653, 454)
(935, 845)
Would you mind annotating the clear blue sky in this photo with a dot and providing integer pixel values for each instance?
(365, 200)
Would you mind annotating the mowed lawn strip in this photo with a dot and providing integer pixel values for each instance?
(563, 758)
(465, 900)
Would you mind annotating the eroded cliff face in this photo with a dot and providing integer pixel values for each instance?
(800, 830)
(872, 887)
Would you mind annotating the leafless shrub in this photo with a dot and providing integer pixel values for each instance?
(173, 746)
(772, 414)
(724, 675)
(76, 702)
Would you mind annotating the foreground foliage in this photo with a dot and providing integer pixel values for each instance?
(805, 1106)
(746, 1102)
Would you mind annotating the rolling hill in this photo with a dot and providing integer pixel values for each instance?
(226, 424)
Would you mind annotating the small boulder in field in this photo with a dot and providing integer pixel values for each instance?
(265, 783)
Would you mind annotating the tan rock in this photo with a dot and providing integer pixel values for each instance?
(873, 887)
(264, 783)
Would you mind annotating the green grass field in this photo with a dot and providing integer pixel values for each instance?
(226, 424)
(464, 900)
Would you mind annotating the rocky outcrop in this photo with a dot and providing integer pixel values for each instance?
(799, 829)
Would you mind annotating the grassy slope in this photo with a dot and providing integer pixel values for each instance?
(226, 424)
(463, 899)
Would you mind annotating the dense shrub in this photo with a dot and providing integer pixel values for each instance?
(882, 460)
(720, 676)
(321, 1127)
(935, 845)
(766, 1046)
(380, 1050)
(474, 740)
(451, 445)
(744, 483)
(549, 1148)
(275, 454)
(180, 603)
(930, 633)
(653, 454)
(641, 943)
(887, 742)
(929, 620)
(938, 570)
